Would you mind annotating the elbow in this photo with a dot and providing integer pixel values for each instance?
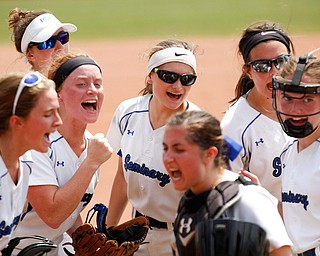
(53, 222)
(54, 225)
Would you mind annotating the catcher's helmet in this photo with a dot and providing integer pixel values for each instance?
(290, 94)
(40, 246)
(230, 237)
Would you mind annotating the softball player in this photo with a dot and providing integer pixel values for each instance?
(136, 134)
(39, 35)
(250, 120)
(17, 118)
(193, 154)
(296, 98)
(63, 180)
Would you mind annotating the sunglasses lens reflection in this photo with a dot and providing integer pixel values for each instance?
(265, 66)
(171, 77)
(62, 37)
(261, 67)
(187, 79)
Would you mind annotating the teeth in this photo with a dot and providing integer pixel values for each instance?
(297, 118)
(90, 101)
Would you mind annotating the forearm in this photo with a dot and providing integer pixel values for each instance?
(58, 203)
(75, 226)
(118, 199)
(282, 251)
(55, 203)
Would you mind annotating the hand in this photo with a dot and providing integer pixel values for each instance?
(99, 150)
(254, 178)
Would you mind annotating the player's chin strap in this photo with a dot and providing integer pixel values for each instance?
(35, 249)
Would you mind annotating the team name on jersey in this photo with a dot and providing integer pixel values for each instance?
(144, 170)
(7, 229)
(290, 197)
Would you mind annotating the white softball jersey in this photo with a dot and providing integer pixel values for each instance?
(262, 140)
(13, 198)
(149, 187)
(56, 167)
(257, 205)
(301, 195)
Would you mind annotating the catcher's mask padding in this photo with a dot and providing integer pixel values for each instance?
(229, 237)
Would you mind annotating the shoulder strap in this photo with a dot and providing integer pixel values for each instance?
(222, 197)
(225, 195)
(242, 180)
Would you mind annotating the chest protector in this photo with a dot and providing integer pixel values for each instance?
(204, 227)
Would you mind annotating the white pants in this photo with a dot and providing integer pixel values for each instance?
(66, 239)
(157, 243)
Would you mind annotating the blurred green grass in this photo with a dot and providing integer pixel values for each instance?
(101, 19)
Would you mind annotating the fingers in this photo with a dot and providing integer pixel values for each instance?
(99, 149)
(254, 178)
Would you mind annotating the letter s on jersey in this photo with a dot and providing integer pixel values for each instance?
(277, 169)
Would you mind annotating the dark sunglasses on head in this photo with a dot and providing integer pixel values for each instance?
(265, 66)
(171, 77)
(62, 37)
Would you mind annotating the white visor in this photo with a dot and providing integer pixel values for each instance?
(42, 28)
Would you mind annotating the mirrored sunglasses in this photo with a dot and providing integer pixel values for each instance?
(171, 77)
(62, 37)
(29, 80)
(265, 66)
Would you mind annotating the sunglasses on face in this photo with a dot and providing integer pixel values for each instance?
(265, 66)
(171, 77)
(62, 37)
(29, 80)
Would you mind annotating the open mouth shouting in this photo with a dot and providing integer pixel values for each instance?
(174, 174)
(298, 121)
(269, 85)
(175, 96)
(90, 105)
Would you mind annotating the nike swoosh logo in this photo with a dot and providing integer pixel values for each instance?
(263, 33)
(179, 54)
(186, 239)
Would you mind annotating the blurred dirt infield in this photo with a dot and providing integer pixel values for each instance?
(124, 69)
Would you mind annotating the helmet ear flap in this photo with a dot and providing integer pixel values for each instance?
(229, 237)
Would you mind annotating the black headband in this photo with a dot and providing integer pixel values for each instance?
(66, 68)
(263, 36)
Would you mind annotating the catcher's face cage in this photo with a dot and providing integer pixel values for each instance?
(294, 102)
(229, 237)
